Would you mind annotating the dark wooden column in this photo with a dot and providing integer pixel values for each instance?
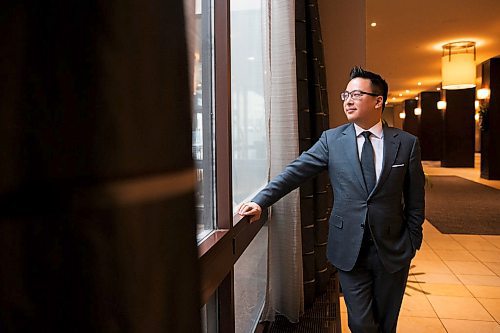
(458, 129)
(411, 122)
(431, 126)
(490, 138)
(97, 222)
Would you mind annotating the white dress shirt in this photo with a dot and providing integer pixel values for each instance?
(377, 140)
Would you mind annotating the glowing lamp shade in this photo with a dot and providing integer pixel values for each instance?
(441, 105)
(483, 93)
(417, 111)
(458, 68)
(402, 115)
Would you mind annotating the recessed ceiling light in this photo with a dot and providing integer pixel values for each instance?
(407, 91)
(419, 83)
(394, 98)
(400, 95)
(373, 24)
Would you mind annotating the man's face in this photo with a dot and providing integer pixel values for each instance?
(365, 111)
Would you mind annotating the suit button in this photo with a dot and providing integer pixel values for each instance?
(362, 225)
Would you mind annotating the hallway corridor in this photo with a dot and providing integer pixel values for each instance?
(454, 282)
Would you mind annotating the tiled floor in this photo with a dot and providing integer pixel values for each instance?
(454, 282)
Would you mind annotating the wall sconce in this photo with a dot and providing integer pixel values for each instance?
(417, 111)
(402, 115)
(483, 93)
(458, 68)
(482, 104)
(441, 105)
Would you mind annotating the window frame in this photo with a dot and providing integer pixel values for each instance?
(220, 250)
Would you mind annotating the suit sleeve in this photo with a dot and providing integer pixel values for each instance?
(308, 164)
(414, 196)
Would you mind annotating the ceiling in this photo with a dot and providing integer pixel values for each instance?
(405, 45)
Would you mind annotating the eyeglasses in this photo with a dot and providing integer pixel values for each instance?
(355, 94)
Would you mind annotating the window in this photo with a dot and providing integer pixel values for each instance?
(203, 114)
(230, 149)
(248, 116)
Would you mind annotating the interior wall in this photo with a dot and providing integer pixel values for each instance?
(388, 115)
(343, 26)
(398, 122)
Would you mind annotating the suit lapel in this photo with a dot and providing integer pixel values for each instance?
(391, 147)
(348, 143)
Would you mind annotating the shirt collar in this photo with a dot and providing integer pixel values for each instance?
(376, 130)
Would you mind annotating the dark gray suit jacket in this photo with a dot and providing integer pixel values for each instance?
(394, 209)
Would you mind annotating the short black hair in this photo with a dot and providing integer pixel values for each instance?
(379, 85)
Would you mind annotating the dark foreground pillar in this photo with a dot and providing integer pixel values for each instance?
(97, 224)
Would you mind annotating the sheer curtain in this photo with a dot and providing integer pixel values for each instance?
(284, 293)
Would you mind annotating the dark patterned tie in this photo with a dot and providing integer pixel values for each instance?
(368, 162)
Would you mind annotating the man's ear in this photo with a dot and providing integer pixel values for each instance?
(380, 102)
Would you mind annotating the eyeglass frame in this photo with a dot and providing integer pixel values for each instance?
(349, 94)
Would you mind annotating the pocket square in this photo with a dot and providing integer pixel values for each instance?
(398, 165)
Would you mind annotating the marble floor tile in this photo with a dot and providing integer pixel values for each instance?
(493, 239)
(480, 280)
(494, 266)
(487, 256)
(420, 325)
(437, 278)
(430, 266)
(344, 325)
(469, 267)
(455, 255)
(484, 291)
(426, 254)
(441, 289)
(417, 306)
(474, 242)
(492, 305)
(452, 307)
(444, 244)
(469, 326)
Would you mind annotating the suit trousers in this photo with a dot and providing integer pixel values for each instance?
(372, 295)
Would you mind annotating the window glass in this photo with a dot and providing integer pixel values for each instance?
(203, 113)
(248, 117)
(250, 279)
(209, 316)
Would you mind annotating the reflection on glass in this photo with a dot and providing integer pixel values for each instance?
(203, 115)
(249, 142)
(209, 316)
(250, 278)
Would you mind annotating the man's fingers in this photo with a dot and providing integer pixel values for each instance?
(250, 209)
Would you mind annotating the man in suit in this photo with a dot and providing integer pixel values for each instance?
(376, 223)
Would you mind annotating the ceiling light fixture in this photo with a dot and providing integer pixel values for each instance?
(374, 24)
(458, 67)
(441, 105)
(417, 111)
(419, 83)
(402, 115)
